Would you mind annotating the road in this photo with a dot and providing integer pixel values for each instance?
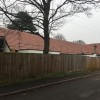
(82, 89)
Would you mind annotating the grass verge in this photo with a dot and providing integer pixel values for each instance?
(45, 77)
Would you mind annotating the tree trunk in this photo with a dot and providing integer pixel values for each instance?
(46, 41)
(46, 45)
(46, 27)
(46, 35)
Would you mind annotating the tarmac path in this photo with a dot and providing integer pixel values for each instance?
(81, 89)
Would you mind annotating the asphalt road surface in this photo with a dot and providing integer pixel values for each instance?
(82, 89)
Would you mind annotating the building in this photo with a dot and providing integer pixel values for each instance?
(22, 42)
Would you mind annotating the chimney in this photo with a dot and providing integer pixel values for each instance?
(95, 49)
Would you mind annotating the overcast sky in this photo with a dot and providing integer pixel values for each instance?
(81, 27)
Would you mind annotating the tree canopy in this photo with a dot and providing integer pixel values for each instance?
(48, 14)
(22, 22)
(79, 42)
(60, 37)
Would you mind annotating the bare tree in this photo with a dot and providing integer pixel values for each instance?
(79, 42)
(59, 37)
(48, 14)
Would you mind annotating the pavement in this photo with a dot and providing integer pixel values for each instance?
(24, 87)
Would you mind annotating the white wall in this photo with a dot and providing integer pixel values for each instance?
(36, 51)
(30, 51)
(94, 55)
(54, 52)
(6, 49)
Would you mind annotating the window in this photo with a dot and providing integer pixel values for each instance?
(1, 45)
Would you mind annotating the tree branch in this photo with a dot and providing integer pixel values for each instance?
(66, 2)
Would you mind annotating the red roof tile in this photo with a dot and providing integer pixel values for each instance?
(20, 40)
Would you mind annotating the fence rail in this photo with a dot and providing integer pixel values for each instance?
(22, 65)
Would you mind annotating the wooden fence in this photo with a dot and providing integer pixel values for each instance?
(22, 66)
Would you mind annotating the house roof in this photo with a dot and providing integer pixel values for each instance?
(20, 40)
(17, 40)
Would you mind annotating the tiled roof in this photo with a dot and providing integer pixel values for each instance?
(17, 40)
(20, 40)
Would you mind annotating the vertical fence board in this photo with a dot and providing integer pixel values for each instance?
(15, 66)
